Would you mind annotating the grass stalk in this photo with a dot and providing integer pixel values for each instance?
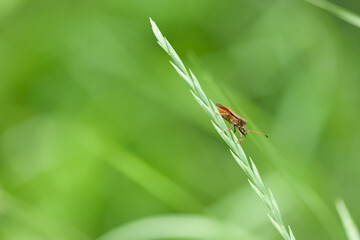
(339, 12)
(229, 137)
(351, 230)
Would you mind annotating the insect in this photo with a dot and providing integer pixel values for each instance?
(237, 122)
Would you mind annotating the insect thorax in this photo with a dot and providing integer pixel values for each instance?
(241, 123)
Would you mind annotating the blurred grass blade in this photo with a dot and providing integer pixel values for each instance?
(136, 169)
(153, 181)
(340, 12)
(32, 217)
(351, 230)
(177, 227)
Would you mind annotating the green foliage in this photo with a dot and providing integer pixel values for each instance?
(97, 133)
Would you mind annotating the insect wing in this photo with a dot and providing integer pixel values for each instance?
(222, 108)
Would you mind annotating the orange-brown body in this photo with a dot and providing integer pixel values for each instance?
(237, 121)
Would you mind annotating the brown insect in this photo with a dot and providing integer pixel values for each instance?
(237, 121)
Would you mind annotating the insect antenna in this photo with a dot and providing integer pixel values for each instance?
(258, 133)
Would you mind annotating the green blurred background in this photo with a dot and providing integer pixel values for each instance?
(101, 139)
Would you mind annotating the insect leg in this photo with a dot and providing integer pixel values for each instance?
(242, 136)
(229, 129)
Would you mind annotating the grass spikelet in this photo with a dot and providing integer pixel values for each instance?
(229, 138)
